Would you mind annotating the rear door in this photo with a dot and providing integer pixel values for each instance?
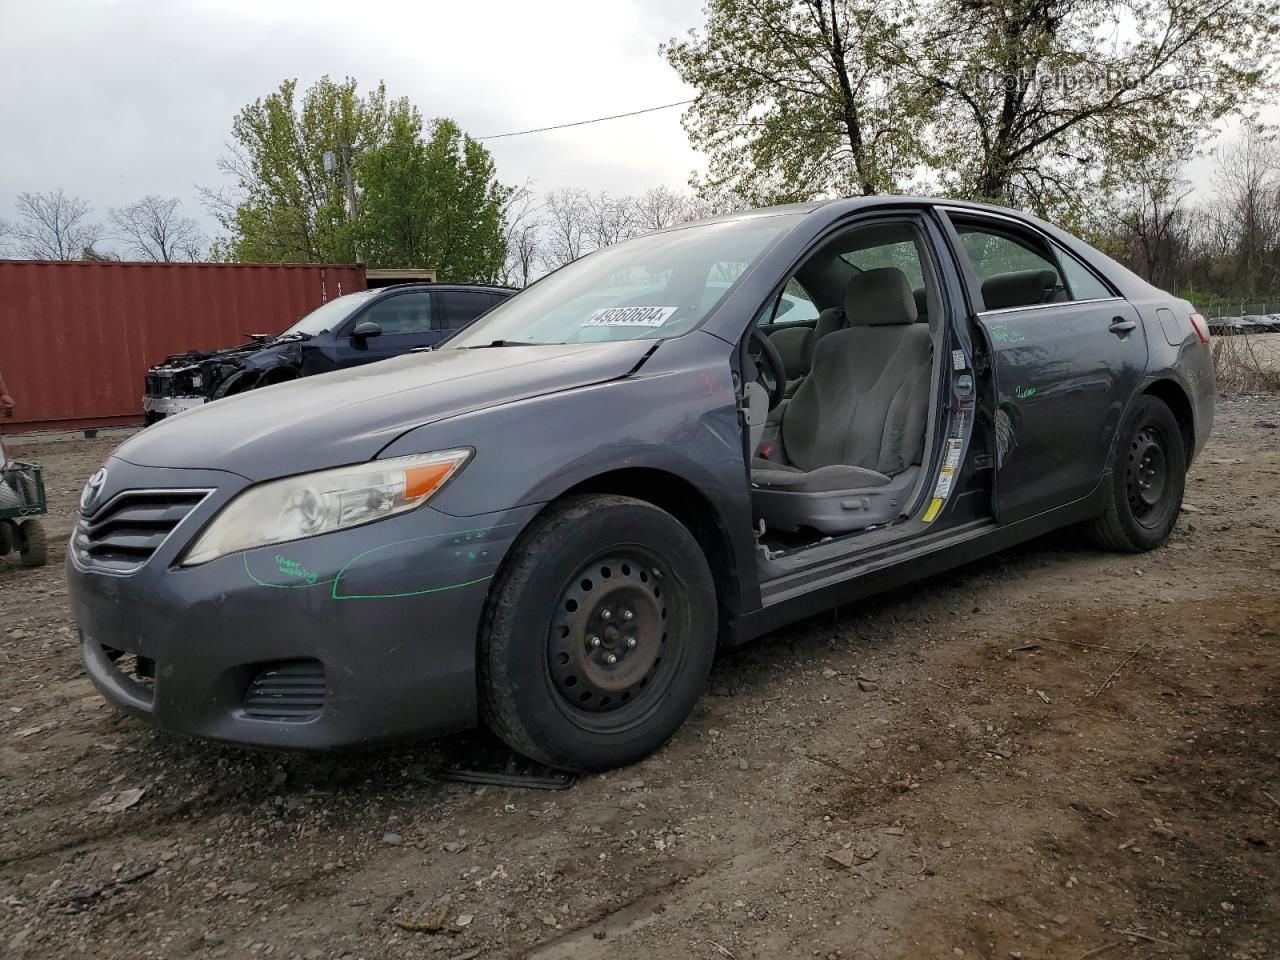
(457, 308)
(1067, 354)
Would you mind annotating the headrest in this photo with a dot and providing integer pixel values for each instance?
(1018, 289)
(878, 298)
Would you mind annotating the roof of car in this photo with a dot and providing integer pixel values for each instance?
(427, 285)
(851, 203)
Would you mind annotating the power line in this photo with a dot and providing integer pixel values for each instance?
(581, 123)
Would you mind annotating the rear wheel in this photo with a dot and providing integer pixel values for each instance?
(599, 634)
(1144, 489)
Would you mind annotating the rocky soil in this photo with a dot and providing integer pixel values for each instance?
(1054, 753)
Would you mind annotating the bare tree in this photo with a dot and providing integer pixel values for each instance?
(568, 211)
(1248, 194)
(572, 222)
(661, 207)
(610, 219)
(522, 232)
(153, 229)
(1156, 224)
(53, 226)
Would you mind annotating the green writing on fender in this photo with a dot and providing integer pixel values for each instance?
(1022, 393)
(291, 568)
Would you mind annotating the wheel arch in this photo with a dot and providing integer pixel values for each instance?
(1173, 396)
(281, 373)
(691, 507)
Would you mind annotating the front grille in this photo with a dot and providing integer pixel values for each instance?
(293, 690)
(125, 532)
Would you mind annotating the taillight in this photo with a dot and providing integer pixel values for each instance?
(1201, 327)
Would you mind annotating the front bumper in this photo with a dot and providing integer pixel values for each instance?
(383, 618)
(157, 407)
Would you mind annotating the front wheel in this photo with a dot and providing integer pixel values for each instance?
(1143, 491)
(599, 634)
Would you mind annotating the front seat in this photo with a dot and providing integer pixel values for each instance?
(796, 345)
(851, 440)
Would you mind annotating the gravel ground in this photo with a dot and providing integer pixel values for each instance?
(1054, 753)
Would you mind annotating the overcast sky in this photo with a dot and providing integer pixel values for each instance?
(114, 99)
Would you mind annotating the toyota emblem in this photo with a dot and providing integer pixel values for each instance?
(91, 490)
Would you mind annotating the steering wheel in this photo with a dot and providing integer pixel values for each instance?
(772, 367)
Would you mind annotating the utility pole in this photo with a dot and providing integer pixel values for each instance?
(330, 166)
(350, 184)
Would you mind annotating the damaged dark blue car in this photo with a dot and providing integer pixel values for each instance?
(549, 523)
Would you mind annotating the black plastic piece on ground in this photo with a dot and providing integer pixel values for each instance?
(487, 761)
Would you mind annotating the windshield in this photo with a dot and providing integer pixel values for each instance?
(660, 285)
(329, 315)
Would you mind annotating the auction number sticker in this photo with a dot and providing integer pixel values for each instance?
(630, 317)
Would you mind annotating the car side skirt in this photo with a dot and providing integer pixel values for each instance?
(810, 592)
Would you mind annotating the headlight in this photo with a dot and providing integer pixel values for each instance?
(314, 503)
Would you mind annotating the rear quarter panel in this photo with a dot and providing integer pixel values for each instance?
(1175, 353)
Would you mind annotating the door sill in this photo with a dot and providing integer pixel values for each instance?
(847, 561)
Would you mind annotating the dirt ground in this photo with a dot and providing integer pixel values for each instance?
(1054, 753)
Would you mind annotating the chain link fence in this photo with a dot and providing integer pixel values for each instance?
(1239, 308)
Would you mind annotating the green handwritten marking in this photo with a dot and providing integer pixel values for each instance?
(1022, 393)
(1002, 334)
(281, 586)
(410, 593)
(292, 568)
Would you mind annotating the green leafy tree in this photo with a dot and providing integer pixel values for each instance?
(284, 205)
(802, 98)
(433, 201)
(1049, 103)
(1033, 103)
(420, 202)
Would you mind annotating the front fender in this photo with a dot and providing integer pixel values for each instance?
(677, 414)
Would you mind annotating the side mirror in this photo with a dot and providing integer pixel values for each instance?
(366, 329)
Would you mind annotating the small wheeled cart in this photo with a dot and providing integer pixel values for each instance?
(22, 503)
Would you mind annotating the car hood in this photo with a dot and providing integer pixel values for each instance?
(348, 416)
(243, 351)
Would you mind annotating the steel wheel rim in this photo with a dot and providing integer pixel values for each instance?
(1147, 479)
(609, 670)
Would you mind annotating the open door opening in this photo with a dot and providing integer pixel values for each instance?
(848, 446)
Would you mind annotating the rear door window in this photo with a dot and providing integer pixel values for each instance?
(460, 307)
(1014, 268)
(1081, 283)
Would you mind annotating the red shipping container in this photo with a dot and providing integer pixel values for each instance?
(76, 337)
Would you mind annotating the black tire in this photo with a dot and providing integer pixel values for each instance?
(555, 616)
(1143, 489)
(33, 546)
